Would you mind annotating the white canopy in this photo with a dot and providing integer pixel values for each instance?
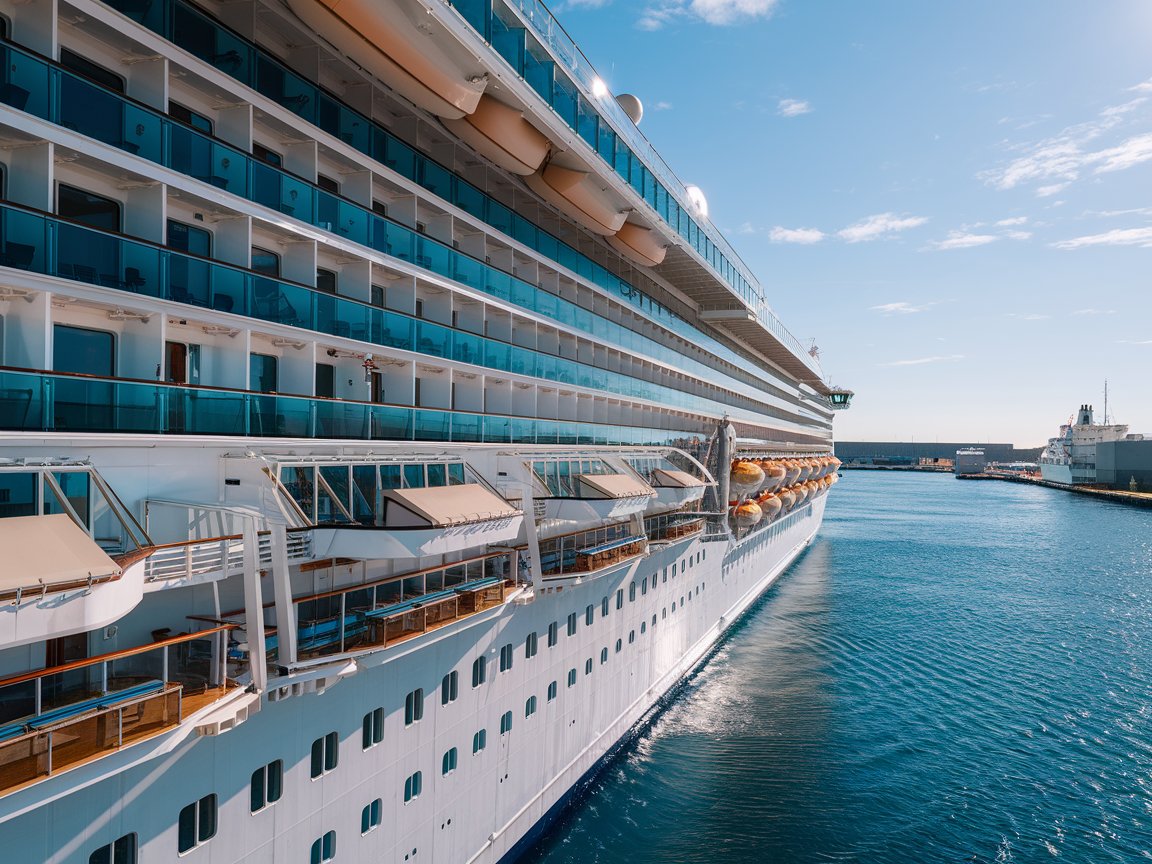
(49, 550)
(617, 485)
(677, 479)
(444, 505)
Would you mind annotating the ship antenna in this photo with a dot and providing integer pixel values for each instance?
(1105, 401)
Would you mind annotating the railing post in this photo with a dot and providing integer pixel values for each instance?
(39, 696)
(104, 678)
(119, 727)
(164, 663)
(343, 606)
(49, 754)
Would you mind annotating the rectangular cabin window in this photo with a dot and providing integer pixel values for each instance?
(77, 349)
(122, 851)
(266, 155)
(264, 371)
(328, 184)
(93, 71)
(265, 262)
(325, 380)
(189, 238)
(325, 281)
(84, 207)
(189, 117)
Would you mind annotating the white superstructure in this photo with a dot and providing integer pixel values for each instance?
(1070, 457)
(386, 429)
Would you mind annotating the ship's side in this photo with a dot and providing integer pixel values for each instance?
(1071, 456)
(386, 430)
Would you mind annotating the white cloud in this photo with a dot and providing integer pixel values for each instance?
(1049, 191)
(587, 4)
(793, 108)
(746, 228)
(1094, 312)
(1134, 341)
(1015, 220)
(718, 12)
(1032, 316)
(1116, 237)
(662, 106)
(804, 236)
(901, 307)
(963, 240)
(1142, 87)
(1018, 235)
(920, 361)
(1132, 152)
(880, 225)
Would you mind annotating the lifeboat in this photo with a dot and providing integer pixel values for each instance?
(748, 514)
(500, 133)
(576, 194)
(793, 472)
(836, 463)
(787, 500)
(746, 477)
(822, 468)
(835, 478)
(640, 244)
(771, 506)
(774, 474)
(805, 471)
(397, 43)
(803, 494)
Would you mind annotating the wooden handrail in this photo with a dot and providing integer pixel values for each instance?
(114, 655)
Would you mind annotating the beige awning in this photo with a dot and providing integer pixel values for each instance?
(444, 505)
(617, 485)
(677, 479)
(49, 550)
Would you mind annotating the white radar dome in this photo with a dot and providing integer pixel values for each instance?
(632, 106)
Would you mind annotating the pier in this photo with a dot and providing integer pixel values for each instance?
(1120, 496)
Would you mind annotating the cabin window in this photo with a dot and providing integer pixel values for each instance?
(506, 723)
(325, 380)
(77, 349)
(328, 184)
(414, 707)
(189, 238)
(588, 666)
(632, 592)
(571, 677)
(324, 849)
(120, 851)
(412, 787)
(479, 671)
(551, 691)
(506, 657)
(266, 262)
(325, 280)
(631, 636)
(267, 785)
(372, 730)
(449, 688)
(93, 71)
(619, 645)
(530, 646)
(603, 655)
(370, 816)
(553, 633)
(530, 706)
(264, 154)
(95, 211)
(604, 608)
(572, 624)
(589, 614)
(479, 741)
(325, 754)
(189, 117)
(197, 823)
(619, 598)
(448, 763)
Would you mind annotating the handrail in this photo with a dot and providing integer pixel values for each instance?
(113, 655)
(394, 578)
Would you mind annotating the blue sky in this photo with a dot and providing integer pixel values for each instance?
(954, 200)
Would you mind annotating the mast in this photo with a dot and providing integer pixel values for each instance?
(1105, 401)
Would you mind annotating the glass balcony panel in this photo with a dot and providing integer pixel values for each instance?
(497, 429)
(87, 256)
(352, 222)
(287, 89)
(91, 111)
(435, 178)
(564, 99)
(478, 13)
(398, 331)
(467, 427)
(297, 198)
(468, 270)
(498, 284)
(145, 12)
(189, 281)
(523, 230)
(522, 430)
(432, 256)
(25, 84)
(467, 348)
(198, 35)
(499, 217)
(509, 43)
(391, 423)
(432, 339)
(523, 294)
(432, 425)
(327, 211)
(523, 361)
(23, 241)
(469, 199)
(142, 133)
(538, 71)
(497, 355)
(400, 157)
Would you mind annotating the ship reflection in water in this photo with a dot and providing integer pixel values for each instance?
(954, 672)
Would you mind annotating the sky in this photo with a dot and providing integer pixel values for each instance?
(952, 200)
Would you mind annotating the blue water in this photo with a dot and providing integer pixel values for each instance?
(954, 672)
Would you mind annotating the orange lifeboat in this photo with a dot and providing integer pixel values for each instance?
(500, 133)
(748, 514)
(774, 474)
(771, 505)
(805, 470)
(746, 476)
(641, 244)
(576, 194)
(793, 472)
(834, 478)
(787, 500)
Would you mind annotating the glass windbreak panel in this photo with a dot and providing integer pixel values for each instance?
(414, 476)
(282, 86)
(390, 477)
(456, 474)
(76, 487)
(437, 474)
(336, 476)
(364, 494)
(18, 495)
(299, 480)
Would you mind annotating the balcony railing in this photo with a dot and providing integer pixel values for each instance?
(35, 401)
(589, 551)
(55, 718)
(673, 526)
(223, 555)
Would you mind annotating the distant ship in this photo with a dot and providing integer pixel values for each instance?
(1070, 457)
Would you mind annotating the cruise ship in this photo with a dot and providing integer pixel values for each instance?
(386, 430)
(1070, 457)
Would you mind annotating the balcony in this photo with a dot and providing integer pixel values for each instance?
(598, 498)
(676, 488)
(673, 527)
(55, 719)
(591, 554)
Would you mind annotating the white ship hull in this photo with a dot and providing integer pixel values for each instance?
(494, 803)
(1056, 472)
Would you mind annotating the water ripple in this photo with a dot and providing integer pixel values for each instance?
(955, 672)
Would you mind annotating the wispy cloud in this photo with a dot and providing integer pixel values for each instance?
(964, 240)
(1134, 341)
(921, 361)
(1029, 316)
(793, 108)
(1055, 162)
(717, 12)
(1142, 87)
(662, 106)
(902, 307)
(586, 4)
(880, 225)
(1115, 237)
(804, 236)
(1094, 312)
(1015, 220)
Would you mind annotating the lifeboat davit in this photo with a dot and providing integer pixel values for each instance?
(576, 194)
(771, 505)
(793, 472)
(640, 244)
(748, 514)
(500, 133)
(396, 42)
(746, 477)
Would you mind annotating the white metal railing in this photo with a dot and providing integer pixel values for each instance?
(224, 555)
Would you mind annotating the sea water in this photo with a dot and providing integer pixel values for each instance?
(953, 672)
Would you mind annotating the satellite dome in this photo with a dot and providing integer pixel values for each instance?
(632, 107)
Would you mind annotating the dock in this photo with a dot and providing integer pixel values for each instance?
(1119, 496)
